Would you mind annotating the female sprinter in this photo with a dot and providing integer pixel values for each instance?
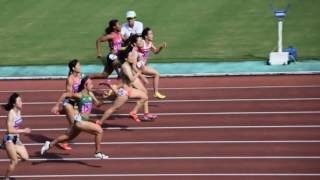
(124, 90)
(11, 140)
(116, 41)
(72, 85)
(128, 59)
(148, 46)
(81, 119)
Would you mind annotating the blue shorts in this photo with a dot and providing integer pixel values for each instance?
(10, 138)
(70, 101)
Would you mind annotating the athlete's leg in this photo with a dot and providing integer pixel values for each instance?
(93, 129)
(22, 152)
(108, 69)
(116, 66)
(136, 93)
(70, 112)
(156, 76)
(12, 154)
(74, 132)
(120, 100)
(150, 71)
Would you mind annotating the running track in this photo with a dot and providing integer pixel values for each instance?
(235, 127)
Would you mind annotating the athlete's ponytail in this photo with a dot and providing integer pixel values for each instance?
(83, 83)
(111, 26)
(72, 64)
(12, 101)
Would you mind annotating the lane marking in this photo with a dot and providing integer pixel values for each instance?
(240, 87)
(184, 88)
(185, 114)
(173, 158)
(185, 127)
(191, 142)
(192, 100)
(166, 175)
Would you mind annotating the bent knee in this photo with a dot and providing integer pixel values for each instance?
(14, 161)
(144, 98)
(99, 131)
(25, 157)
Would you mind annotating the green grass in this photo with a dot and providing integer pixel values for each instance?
(53, 32)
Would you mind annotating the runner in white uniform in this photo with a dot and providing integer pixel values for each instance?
(11, 140)
(148, 46)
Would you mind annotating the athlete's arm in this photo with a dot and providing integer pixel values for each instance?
(69, 85)
(95, 100)
(99, 41)
(55, 108)
(156, 50)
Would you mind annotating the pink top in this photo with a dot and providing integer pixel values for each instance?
(116, 43)
(75, 83)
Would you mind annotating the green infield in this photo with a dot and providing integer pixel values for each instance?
(53, 32)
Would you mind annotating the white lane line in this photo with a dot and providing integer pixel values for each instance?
(182, 88)
(172, 158)
(240, 87)
(198, 100)
(32, 90)
(167, 175)
(185, 127)
(184, 114)
(192, 142)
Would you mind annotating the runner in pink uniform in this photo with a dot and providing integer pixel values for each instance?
(116, 41)
(72, 85)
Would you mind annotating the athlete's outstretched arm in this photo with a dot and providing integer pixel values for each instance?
(156, 50)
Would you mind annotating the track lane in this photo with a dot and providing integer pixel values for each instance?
(198, 107)
(230, 166)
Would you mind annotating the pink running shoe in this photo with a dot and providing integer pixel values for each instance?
(149, 117)
(134, 116)
(64, 146)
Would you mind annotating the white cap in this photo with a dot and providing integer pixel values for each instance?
(131, 14)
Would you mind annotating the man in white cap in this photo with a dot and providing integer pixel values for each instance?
(131, 26)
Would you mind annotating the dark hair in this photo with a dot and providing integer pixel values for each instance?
(72, 64)
(123, 54)
(110, 28)
(83, 82)
(145, 32)
(11, 102)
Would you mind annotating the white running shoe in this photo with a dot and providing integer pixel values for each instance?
(100, 155)
(45, 147)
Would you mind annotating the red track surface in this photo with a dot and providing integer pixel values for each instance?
(236, 127)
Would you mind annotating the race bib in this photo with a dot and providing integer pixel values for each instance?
(86, 108)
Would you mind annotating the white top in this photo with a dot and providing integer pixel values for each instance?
(126, 31)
